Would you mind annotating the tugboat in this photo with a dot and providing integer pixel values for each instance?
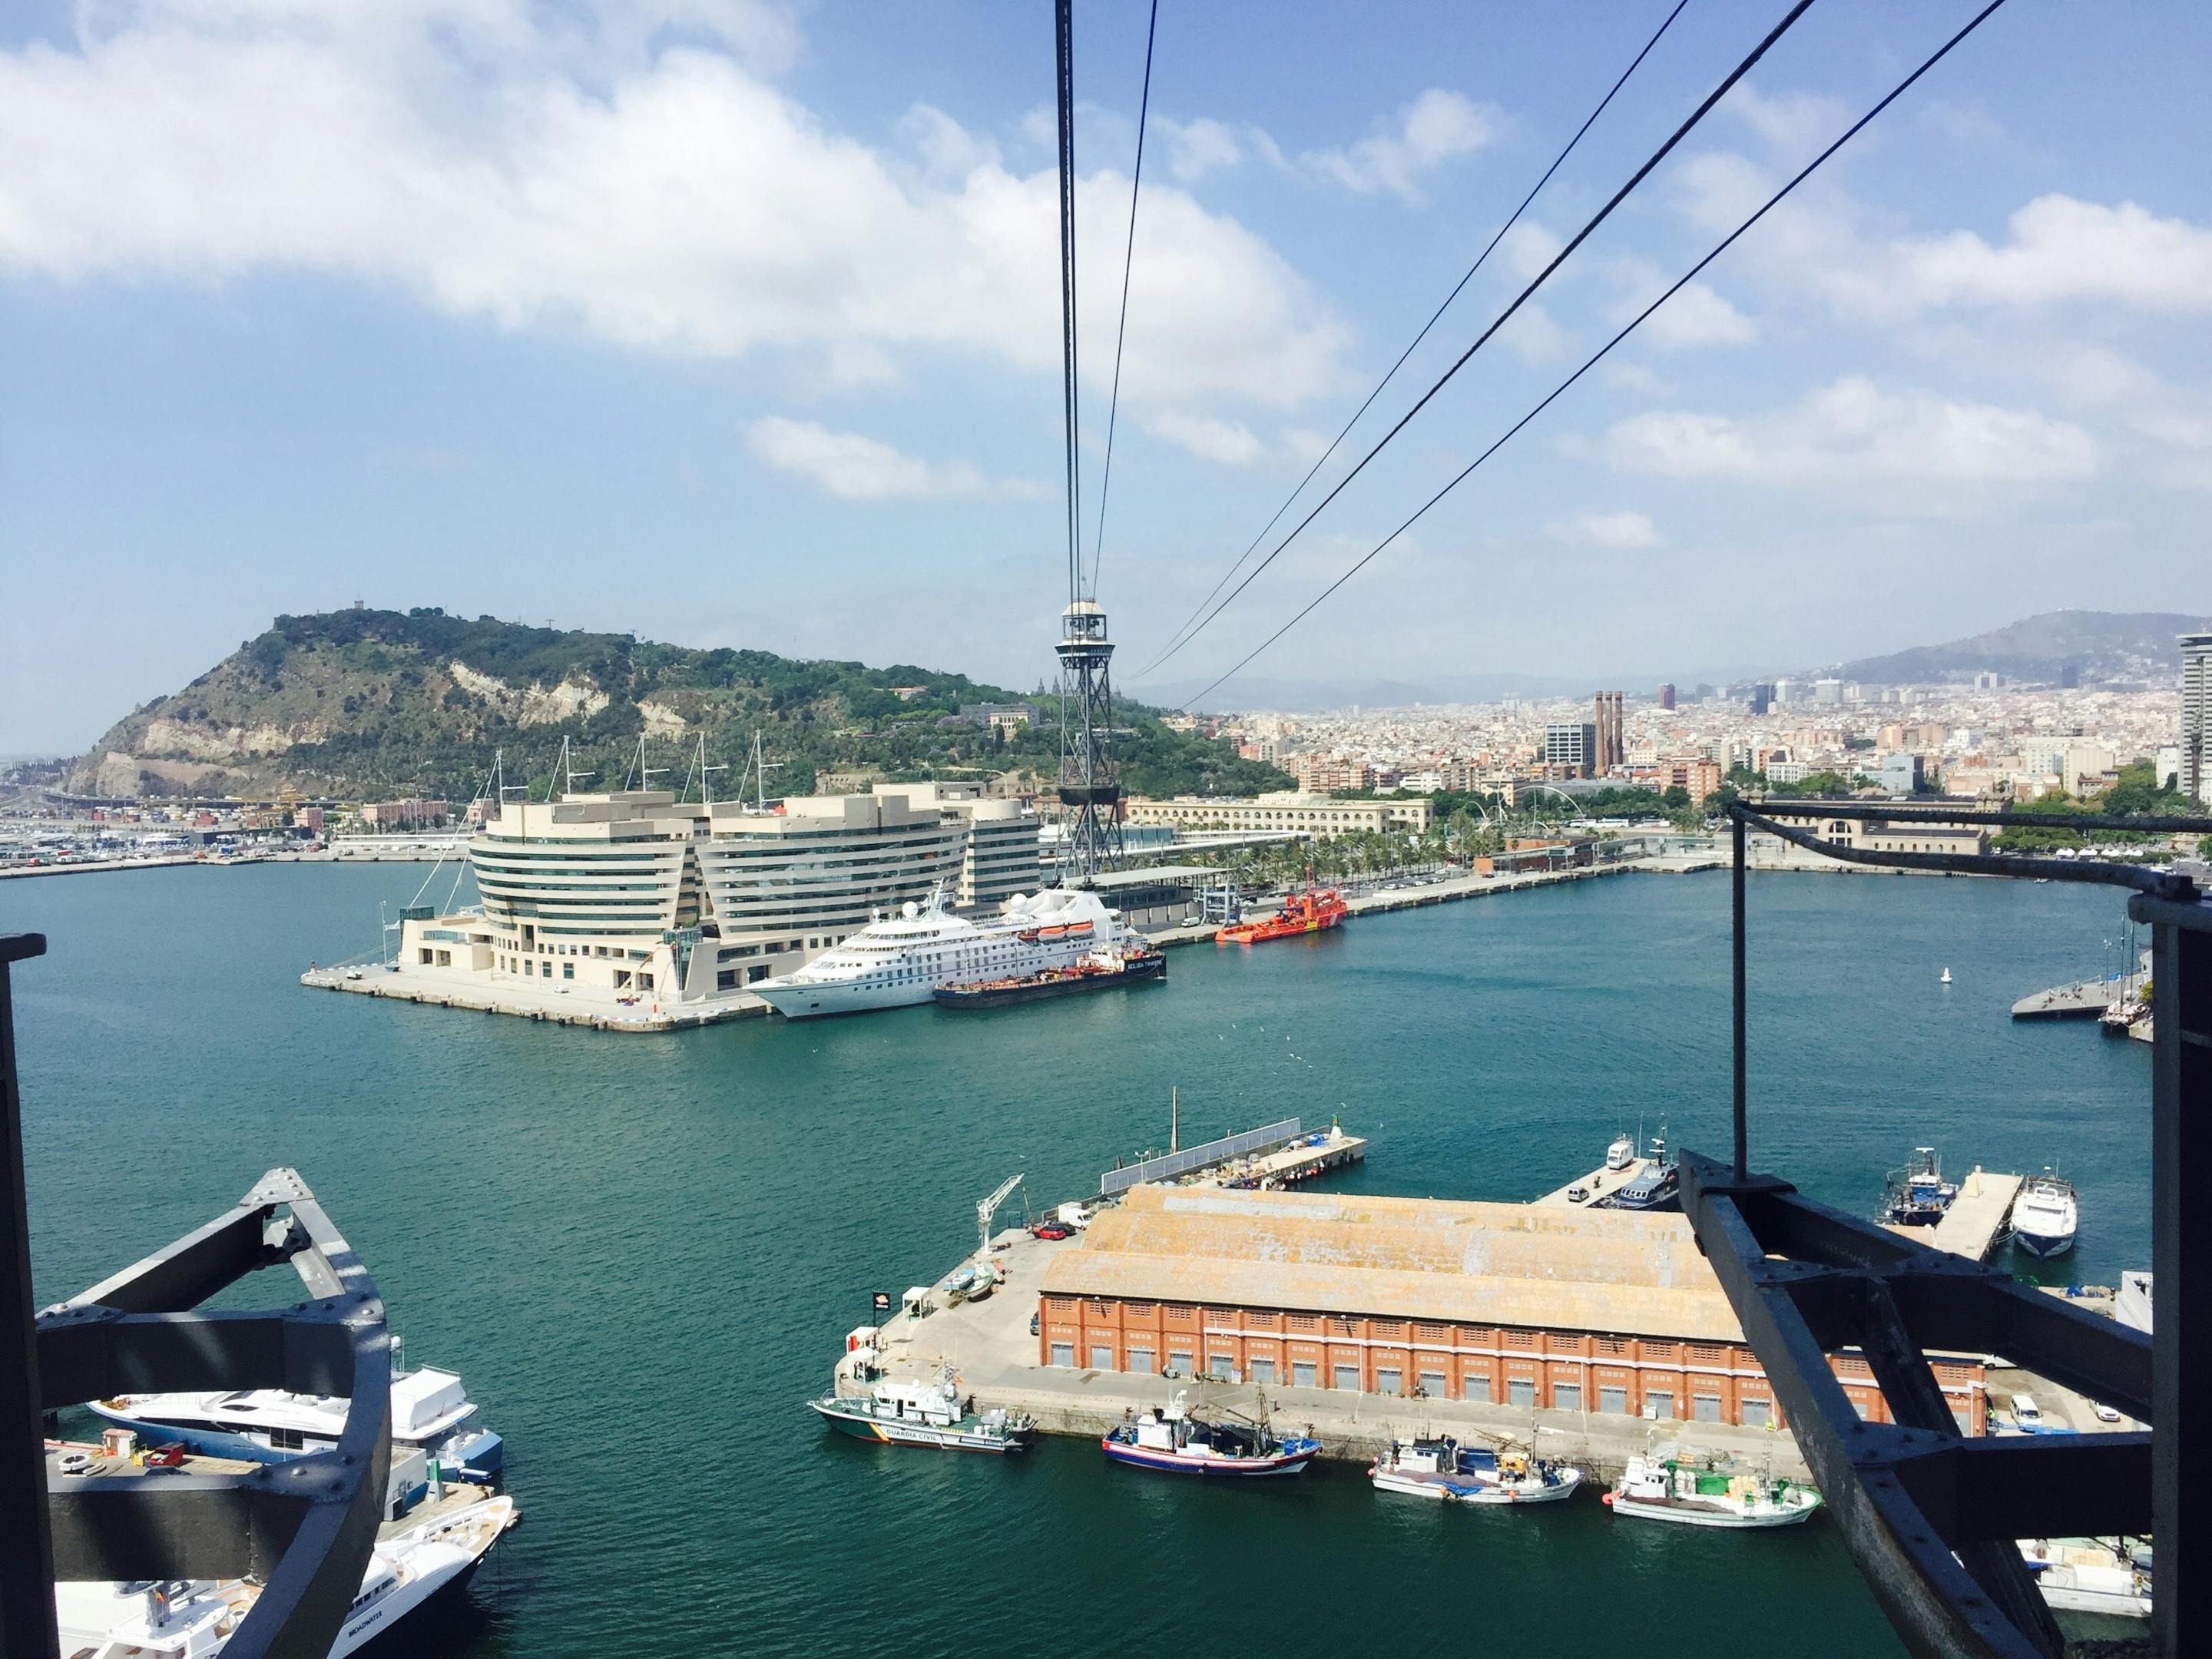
(1657, 1186)
(2045, 1216)
(1313, 911)
(1442, 1468)
(1170, 1438)
(1917, 1195)
(1100, 970)
(925, 1414)
(1653, 1488)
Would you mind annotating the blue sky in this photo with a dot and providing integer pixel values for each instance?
(732, 322)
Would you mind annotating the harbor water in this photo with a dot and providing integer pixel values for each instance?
(642, 1252)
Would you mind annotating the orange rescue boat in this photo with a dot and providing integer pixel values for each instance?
(1310, 912)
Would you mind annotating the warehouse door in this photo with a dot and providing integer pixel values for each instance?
(1705, 1407)
(1140, 1361)
(1063, 1353)
(1520, 1390)
(1566, 1396)
(1346, 1376)
(1102, 1359)
(1659, 1405)
(1613, 1398)
(1305, 1374)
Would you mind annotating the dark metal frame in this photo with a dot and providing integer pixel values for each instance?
(1930, 1515)
(304, 1527)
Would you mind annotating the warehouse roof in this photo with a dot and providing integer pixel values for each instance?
(1614, 1271)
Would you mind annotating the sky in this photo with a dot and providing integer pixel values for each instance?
(732, 322)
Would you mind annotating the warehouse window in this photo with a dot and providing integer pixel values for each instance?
(1344, 1327)
(1659, 1351)
(1345, 1376)
(1390, 1327)
(1304, 1374)
(1566, 1396)
(1611, 1345)
(1432, 1333)
(1063, 1304)
(1613, 1398)
(1063, 1353)
(1141, 1360)
(1263, 1321)
(1520, 1338)
(1705, 1407)
(1521, 1391)
(1179, 1315)
(1137, 1309)
(1703, 1355)
(1757, 1414)
(1100, 1310)
(1389, 1379)
(1304, 1322)
(1430, 1383)
(1474, 1386)
(1101, 1359)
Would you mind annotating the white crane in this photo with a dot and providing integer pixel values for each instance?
(988, 1208)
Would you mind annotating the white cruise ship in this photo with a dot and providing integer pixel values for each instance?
(899, 959)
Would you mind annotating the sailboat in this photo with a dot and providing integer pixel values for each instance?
(1946, 980)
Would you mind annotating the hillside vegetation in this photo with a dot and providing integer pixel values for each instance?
(379, 703)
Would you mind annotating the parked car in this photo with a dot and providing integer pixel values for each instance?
(2106, 1413)
(1033, 1324)
(1053, 1229)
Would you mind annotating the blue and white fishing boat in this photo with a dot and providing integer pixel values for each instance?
(430, 1413)
(1169, 1438)
(1442, 1468)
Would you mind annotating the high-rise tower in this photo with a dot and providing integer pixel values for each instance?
(2197, 716)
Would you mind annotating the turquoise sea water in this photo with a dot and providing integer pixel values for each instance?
(642, 1252)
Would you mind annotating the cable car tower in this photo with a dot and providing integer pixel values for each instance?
(1089, 793)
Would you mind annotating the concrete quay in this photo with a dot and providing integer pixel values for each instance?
(551, 1004)
(994, 1359)
(1978, 1219)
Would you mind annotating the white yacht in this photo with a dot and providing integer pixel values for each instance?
(430, 1413)
(2045, 1216)
(899, 960)
(196, 1618)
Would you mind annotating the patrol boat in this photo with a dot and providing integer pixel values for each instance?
(925, 1414)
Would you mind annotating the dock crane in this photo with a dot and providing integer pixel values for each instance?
(986, 1209)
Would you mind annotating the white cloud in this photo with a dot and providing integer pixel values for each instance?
(1528, 247)
(2061, 248)
(498, 159)
(1697, 316)
(1305, 446)
(1432, 129)
(1910, 448)
(857, 468)
(1535, 337)
(1228, 443)
(1794, 125)
(1197, 147)
(1610, 530)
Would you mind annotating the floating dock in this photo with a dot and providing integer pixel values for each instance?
(1979, 1220)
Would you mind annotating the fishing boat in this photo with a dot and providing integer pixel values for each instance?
(1657, 1186)
(1946, 980)
(2090, 1576)
(1653, 1488)
(1314, 911)
(431, 1414)
(924, 1413)
(1442, 1468)
(1100, 970)
(2045, 1216)
(1169, 1438)
(173, 1618)
(1917, 1195)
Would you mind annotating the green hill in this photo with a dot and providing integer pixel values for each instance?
(370, 704)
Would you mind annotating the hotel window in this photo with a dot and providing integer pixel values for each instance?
(568, 971)
(1475, 1386)
(1756, 1413)
(725, 979)
(1142, 1360)
(1566, 1396)
(546, 972)
(1344, 1377)
(1390, 1380)
(1705, 1407)
(1101, 1359)
(1304, 1374)
(1063, 1353)
(1613, 1398)
(622, 979)
(1521, 1391)
(1430, 1383)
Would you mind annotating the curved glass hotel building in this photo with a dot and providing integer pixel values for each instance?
(634, 894)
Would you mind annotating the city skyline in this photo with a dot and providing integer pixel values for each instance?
(401, 357)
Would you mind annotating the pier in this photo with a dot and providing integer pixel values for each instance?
(1978, 1219)
(1595, 1185)
(1276, 1156)
(551, 1004)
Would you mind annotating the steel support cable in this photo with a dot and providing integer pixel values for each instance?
(1121, 331)
(1506, 316)
(1063, 25)
(1597, 356)
(1434, 317)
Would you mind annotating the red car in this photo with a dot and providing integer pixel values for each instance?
(1052, 1229)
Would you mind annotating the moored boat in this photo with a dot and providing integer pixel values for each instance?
(1169, 1438)
(1917, 1195)
(924, 1413)
(199, 1616)
(2090, 1576)
(1653, 1488)
(1442, 1468)
(1313, 911)
(1101, 970)
(2045, 1216)
(1657, 1186)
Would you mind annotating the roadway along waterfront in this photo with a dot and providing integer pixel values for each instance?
(641, 1254)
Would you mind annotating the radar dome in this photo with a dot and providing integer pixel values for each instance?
(909, 910)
